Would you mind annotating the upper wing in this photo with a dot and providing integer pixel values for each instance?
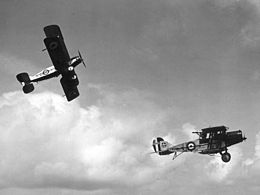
(56, 47)
(53, 31)
(60, 58)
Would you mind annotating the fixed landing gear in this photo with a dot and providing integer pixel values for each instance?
(176, 155)
(225, 156)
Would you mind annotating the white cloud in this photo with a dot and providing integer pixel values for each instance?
(246, 9)
(46, 141)
(10, 64)
(252, 165)
(188, 129)
(257, 146)
(217, 170)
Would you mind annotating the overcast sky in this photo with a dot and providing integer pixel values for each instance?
(154, 68)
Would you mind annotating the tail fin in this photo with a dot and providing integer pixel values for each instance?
(160, 146)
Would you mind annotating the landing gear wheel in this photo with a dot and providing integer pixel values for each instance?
(28, 88)
(225, 157)
(23, 77)
(191, 146)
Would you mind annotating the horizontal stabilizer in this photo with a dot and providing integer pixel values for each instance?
(160, 146)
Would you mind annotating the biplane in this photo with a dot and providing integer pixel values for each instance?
(62, 65)
(211, 141)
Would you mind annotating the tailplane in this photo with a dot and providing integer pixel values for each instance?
(25, 80)
(160, 146)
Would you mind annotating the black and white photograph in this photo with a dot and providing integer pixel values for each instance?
(136, 97)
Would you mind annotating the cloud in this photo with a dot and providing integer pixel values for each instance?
(47, 142)
(252, 165)
(10, 64)
(225, 3)
(257, 147)
(250, 9)
(188, 129)
(217, 170)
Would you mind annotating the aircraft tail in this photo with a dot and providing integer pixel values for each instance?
(160, 146)
(25, 80)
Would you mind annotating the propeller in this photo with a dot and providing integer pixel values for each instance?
(244, 138)
(82, 59)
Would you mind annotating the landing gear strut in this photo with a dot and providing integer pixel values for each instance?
(176, 155)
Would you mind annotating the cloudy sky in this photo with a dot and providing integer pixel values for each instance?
(154, 68)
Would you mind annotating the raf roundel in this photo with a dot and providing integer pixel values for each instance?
(53, 45)
(191, 146)
(45, 72)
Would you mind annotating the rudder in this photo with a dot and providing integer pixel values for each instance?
(160, 146)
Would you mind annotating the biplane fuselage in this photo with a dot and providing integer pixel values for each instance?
(51, 72)
(218, 139)
(211, 140)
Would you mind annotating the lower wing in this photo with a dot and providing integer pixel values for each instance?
(70, 88)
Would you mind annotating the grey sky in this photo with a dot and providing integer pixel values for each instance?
(155, 68)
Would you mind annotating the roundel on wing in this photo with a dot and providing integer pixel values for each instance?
(53, 45)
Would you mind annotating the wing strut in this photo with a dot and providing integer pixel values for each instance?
(176, 155)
